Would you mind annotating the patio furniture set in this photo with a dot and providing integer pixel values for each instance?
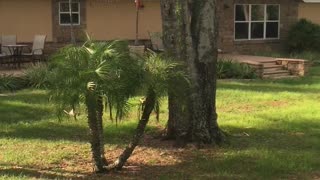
(13, 54)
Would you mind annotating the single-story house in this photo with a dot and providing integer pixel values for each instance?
(245, 25)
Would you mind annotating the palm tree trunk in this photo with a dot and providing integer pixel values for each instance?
(94, 132)
(149, 106)
(100, 127)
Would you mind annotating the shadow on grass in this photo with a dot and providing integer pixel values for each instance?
(273, 151)
(53, 131)
(24, 107)
(38, 173)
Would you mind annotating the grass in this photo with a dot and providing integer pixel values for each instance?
(274, 132)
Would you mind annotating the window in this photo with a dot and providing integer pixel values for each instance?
(64, 13)
(257, 21)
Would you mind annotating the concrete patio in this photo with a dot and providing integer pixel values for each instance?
(9, 70)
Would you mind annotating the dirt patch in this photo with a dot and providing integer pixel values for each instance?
(276, 103)
(153, 158)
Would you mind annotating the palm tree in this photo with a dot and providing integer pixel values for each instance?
(157, 74)
(89, 73)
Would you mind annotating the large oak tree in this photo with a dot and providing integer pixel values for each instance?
(190, 32)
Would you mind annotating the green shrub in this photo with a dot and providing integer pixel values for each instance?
(11, 83)
(227, 68)
(304, 36)
(36, 76)
(307, 55)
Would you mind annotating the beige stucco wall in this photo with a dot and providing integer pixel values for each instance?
(310, 11)
(26, 18)
(116, 19)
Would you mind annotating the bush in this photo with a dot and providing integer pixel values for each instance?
(11, 83)
(304, 36)
(314, 57)
(37, 77)
(231, 69)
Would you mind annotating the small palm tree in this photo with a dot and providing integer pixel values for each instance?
(88, 74)
(157, 73)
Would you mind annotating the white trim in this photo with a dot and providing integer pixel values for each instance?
(78, 12)
(264, 21)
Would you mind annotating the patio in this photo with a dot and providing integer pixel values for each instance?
(266, 67)
(5, 70)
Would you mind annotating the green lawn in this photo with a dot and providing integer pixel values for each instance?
(274, 129)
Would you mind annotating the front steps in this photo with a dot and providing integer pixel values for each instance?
(270, 69)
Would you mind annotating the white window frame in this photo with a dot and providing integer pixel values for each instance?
(265, 21)
(78, 12)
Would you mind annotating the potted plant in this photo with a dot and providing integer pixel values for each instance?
(137, 47)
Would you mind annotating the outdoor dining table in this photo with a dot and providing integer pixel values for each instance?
(16, 52)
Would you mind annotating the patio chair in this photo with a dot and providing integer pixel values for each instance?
(36, 53)
(5, 52)
(156, 41)
(7, 40)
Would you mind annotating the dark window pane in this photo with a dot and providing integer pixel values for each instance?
(65, 18)
(64, 7)
(75, 18)
(241, 30)
(272, 30)
(257, 12)
(75, 7)
(273, 12)
(257, 30)
(242, 13)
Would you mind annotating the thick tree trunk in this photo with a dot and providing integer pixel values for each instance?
(179, 115)
(149, 106)
(202, 61)
(94, 132)
(192, 25)
(100, 128)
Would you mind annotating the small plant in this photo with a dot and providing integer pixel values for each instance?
(11, 83)
(36, 76)
(227, 68)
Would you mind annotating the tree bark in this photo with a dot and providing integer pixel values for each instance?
(95, 142)
(179, 116)
(149, 106)
(192, 25)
